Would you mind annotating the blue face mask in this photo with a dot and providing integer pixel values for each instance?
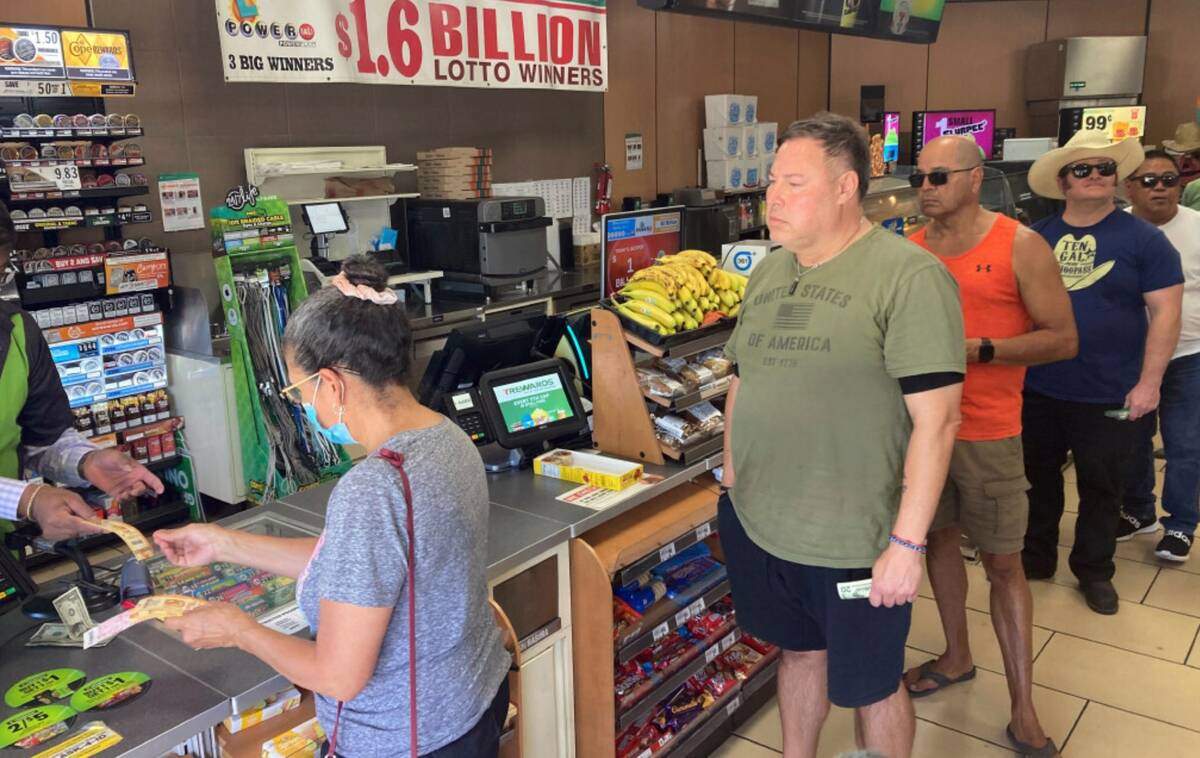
(338, 434)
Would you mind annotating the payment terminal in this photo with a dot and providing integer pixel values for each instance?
(15, 583)
(463, 408)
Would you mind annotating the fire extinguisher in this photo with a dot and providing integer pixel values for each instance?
(604, 179)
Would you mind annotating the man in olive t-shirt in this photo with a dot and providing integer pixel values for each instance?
(850, 359)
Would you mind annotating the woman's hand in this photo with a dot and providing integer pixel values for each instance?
(193, 545)
(214, 625)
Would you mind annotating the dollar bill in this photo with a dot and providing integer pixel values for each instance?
(73, 612)
(56, 635)
(860, 590)
(137, 543)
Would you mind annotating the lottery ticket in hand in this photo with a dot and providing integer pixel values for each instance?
(154, 607)
(131, 536)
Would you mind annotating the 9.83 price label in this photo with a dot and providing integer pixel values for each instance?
(65, 177)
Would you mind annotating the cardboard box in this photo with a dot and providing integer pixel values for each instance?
(752, 173)
(768, 137)
(722, 110)
(742, 257)
(454, 152)
(588, 468)
(266, 710)
(749, 109)
(750, 141)
(248, 742)
(723, 143)
(302, 741)
(724, 175)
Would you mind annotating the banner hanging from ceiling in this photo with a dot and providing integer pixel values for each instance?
(502, 44)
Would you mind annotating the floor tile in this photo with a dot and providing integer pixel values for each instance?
(737, 747)
(1176, 591)
(926, 635)
(934, 740)
(1132, 580)
(1194, 658)
(981, 707)
(1136, 683)
(1105, 732)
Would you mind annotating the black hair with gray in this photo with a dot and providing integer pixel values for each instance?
(841, 137)
(331, 330)
(1160, 154)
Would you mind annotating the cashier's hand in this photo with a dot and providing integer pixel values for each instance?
(213, 625)
(118, 475)
(193, 545)
(60, 513)
(895, 577)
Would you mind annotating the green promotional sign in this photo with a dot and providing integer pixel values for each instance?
(109, 691)
(44, 687)
(35, 726)
(182, 477)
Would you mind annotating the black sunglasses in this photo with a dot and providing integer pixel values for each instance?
(937, 177)
(1084, 170)
(1150, 181)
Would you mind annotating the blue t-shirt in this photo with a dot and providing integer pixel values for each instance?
(1106, 267)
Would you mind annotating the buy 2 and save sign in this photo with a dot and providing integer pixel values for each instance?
(525, 44)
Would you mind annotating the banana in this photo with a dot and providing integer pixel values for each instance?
(690, 323)
(727, 298)
(685, 295)
(660, 278)
(645, 321)
(653, 311)
(652, 298)
(680, 318)
(647, 285)
(733, 312)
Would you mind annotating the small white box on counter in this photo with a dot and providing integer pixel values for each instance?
(750, 144)
(768, 137)
(723, 110)
(751, 173)
(725, 175)
(749, 109)
(723, 143)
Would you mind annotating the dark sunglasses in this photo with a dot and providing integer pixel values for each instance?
(1084, 170)
(1150, 181)
(937, 177)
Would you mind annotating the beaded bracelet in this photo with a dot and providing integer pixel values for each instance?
(906, 544)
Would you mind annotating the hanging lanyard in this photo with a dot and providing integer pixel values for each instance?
(397, 461)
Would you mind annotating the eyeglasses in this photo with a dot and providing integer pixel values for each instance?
(937, 177)
(1084, 170)
(1150, 181)
(292, 394)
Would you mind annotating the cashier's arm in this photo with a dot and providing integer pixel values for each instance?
(339, 663)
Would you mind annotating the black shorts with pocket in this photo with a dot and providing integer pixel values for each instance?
(796, 607)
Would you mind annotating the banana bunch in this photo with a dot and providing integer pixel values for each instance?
(680, 292)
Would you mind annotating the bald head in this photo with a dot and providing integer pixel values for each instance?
(956, 156)
(951, 151)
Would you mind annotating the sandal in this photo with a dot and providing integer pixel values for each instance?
(1049, 750)
(941, 680)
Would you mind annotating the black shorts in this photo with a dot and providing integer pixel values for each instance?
(797, 607)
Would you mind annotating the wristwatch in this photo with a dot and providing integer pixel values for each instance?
(987, 351)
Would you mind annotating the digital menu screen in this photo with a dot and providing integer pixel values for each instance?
(633, 241)
(929, 125)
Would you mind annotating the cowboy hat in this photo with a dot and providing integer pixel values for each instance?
(1043, 174)
(1187, 138)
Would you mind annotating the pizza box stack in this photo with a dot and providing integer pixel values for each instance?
(455, 173)
(738, 149)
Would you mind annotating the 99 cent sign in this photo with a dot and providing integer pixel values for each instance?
(526, 44)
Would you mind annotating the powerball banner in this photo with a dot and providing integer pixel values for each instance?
(519, 44)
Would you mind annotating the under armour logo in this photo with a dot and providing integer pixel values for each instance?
(981, 268)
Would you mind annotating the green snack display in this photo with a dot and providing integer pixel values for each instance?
(110, 691)
(44, 687)
(36, 726)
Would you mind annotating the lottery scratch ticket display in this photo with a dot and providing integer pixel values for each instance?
(268, 598)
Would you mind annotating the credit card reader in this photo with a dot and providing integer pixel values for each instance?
(15, 583)
(463, 408)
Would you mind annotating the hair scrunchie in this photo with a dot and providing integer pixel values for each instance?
(363, 292)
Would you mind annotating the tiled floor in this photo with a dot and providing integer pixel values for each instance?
(1123, 686)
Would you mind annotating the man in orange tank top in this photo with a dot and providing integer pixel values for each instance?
(1016, 313)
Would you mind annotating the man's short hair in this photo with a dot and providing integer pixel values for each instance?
(8, 231)
(1158, 153)
(841, 137)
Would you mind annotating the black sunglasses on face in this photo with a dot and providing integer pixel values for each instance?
(937, 177)
(1150, 181)
(1084, 170)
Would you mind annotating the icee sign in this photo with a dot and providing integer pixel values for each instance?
(525, 44)
(979, 125)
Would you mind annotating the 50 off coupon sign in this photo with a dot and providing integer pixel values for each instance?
(519, 44)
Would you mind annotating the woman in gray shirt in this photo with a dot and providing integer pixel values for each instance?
(405, 528)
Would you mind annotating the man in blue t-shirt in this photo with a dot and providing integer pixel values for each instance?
(1118, 269)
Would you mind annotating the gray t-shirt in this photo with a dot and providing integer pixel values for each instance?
(360, 560)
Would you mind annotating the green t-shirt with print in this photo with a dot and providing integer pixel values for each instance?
(1191, 195)
(820, 428)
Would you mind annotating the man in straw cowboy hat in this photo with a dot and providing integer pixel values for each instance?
(1185, 148)
(1116, 268)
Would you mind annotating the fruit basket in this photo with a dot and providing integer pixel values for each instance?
(658, 339)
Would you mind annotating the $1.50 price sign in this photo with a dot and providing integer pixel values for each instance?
(526, 44)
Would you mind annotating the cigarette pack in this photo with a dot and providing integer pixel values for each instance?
(588, 468)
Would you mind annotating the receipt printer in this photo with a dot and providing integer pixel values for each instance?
(497, 236)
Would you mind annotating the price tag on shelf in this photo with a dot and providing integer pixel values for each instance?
(61, 177)
(696, 608)
(66, 177)
(683, 617)
(645, 753)
(711, 654)
(729, 641)
(666, 552)
(703, 531)
(733, 706)
(660, 631)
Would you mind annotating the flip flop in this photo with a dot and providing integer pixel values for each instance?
(1049, 750)
(941, 680)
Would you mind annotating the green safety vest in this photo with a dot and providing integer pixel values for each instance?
(14, 389)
